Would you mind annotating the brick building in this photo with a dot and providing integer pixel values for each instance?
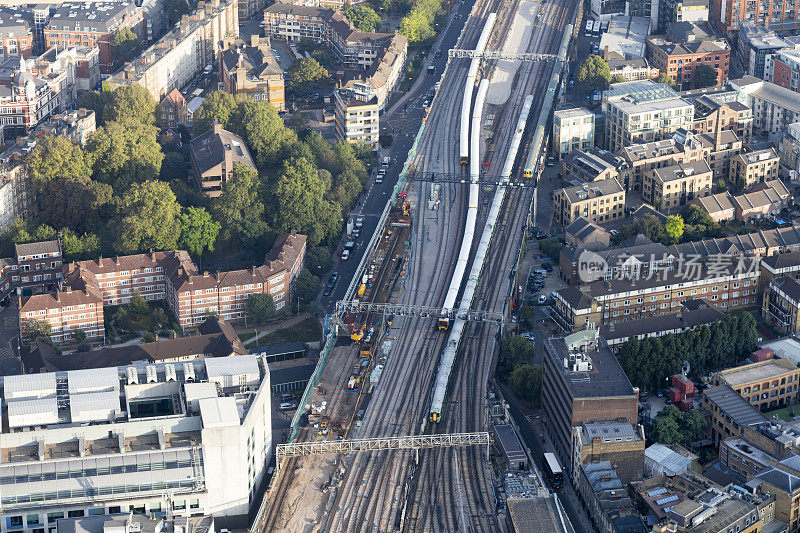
(599, 201)
(616, 441)
(93, 25)
(173, 110)
(729, 16)
(16, 32)
(766, 385)
(250, 69)
(171, 276)
(677, 185)
(583, 382)
(753, 167)
(679, 60)
(213, 155)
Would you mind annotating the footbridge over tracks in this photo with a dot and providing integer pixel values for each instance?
(410, 442)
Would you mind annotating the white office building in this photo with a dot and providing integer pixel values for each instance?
(194, 436)
(573, 129)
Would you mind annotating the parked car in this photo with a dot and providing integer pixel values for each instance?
(287, 406)
(542, 300)
(286, 397)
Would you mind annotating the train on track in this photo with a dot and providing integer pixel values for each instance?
(451, 348)
(469, 87)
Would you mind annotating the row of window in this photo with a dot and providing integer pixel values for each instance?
(94, 491)
(98, 471)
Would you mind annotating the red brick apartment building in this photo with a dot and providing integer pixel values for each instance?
(678, 60)
(728, 15)
(36, 267)
(171, 276)
(93, 24)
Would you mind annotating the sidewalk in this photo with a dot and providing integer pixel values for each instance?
(269, 328)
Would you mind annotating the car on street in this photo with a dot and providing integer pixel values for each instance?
(359, 224)
(287, 406)
(345, 255)
(541, 300)
(528, 335)
(551, 161)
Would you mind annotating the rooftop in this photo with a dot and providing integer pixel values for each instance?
(786, 285)
(216, 145)
(640, 91)
(670, 461)
(682, 171)
(732, 403)
(604, 377)
(756, 371)
(573, 112)
(656, 325)
(595, 189)
(102, 17)
(609, 431)
(625, 37)
(764, 90)
(537, 514)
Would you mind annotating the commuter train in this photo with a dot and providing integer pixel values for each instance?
(547, 106)
(451, 348)
(469, 87)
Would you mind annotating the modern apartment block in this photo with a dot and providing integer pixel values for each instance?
(90, 25)
(751, 168)
(755, 44)
(194, 436)
(250, 69)
(573, 129)
(357, 117)
(781, 304)
(676, 185)
(583, 382)
(728, 16)
(183, 53)
(598, 201)
(774, 107)
(171, 276)
(766, 384)
(643, 111)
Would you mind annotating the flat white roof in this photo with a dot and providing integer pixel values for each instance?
(219, 412)
(94, 406)
(29, 386)
(198, 391)
(667, 459)
(232, 366)
(33, 412)
(93, 380)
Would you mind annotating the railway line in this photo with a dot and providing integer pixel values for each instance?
(441, 489)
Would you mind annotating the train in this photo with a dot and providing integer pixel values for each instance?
(469, 87)
(539, 133)
(451, 348)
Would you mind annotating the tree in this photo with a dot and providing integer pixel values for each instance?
(663, 78)
(198, 231)
(77, 248)
(173, 167)
(593, 73)
(299, 200)
(551, 247)
(514, 350)
(674, 227)
(148, 217)
(526, 382)
(97, 101)
(131, 102)
(125, 153)
(616, 78)
(363, 17)
(124, 45)
(137, 306)
(217, 107)
(307, 286)
(304, 73)
(39, 330)
(78, 203)
(263, 129)
(704, 76)
(55, 158)
(298, 122)
(318, 259)
(666, 426)
(260, 307)
(417, 27)
(239, 202)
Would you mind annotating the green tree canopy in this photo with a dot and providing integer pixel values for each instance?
(39, 330)
(526, 382)
(514, 350)
(79, 247)
(198, 231)
(593, 73)
(148, 217)
(260, 307)
(704, 76)
(663, 78)
(79, 204)
(299, 200)
(307, 286)
(218, 106)
(671, 426)
(124, 45)
(175, 9)
(418, 24)
(54, 159)
(674, 228)
(125, 153)
(616, 78)
(363, 17)
(305, 73)
(239, 203)
(263, 129)
(131, 102)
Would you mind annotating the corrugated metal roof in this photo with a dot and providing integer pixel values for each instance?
(35, 412)
(29, 386)
(93, 380)
(734, 405)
